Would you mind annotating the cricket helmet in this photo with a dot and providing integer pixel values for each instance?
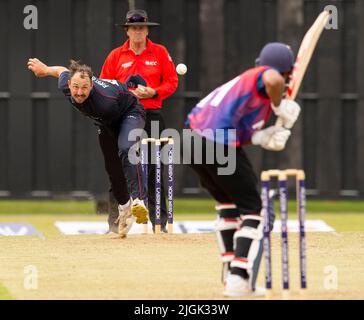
(277, 55)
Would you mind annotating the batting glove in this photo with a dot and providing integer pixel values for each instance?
(271, 138)
(288, 111)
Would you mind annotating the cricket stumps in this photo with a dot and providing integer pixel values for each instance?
(282, 176)
(158, 179)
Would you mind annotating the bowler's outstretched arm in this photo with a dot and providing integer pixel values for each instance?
(40, 69)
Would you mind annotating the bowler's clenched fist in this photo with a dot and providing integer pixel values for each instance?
(37, 67)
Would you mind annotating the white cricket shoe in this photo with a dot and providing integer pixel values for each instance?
(237, 286)
(139, 211)
(125, 219)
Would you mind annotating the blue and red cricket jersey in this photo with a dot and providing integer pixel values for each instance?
(240, 104)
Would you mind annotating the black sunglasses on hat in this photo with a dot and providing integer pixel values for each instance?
(137, 18)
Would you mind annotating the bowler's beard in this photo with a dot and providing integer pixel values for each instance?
(80, 98)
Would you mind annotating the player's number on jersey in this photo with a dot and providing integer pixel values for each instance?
(218, 95)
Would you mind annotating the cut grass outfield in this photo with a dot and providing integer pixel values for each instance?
(5, 294)
(184, 206)
(341, 215)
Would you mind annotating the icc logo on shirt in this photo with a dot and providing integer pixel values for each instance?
(151, 63)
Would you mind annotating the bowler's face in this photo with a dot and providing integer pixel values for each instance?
(80, 86)
(137, 34)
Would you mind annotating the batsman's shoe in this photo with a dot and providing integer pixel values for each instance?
(139, 211)
(237, 286)
(126, 219)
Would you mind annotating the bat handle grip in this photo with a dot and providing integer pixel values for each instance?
(279, 123)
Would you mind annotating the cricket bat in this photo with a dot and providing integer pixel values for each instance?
(303, 58)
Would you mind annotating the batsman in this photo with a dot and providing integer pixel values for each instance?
(242, 108)
(109, 104)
